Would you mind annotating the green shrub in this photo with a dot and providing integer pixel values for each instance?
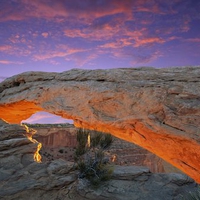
(90, 158)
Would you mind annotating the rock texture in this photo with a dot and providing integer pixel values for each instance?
(158, 109)
(23, 178)
(59, 141)
(18, 170)
(136, 183)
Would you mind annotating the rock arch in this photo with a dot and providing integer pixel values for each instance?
(158, 109)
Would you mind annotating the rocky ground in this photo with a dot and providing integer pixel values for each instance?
(21, 177)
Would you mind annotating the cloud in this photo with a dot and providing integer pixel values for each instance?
(62, 9)
(193, 40)
(82, 31)
(84, 58)
(147, 41)
(45, 34)
(92, 32)
(145, 58)
(86, 11)
(7, 62)
(135, 38)
(5, 48)
(61, 51)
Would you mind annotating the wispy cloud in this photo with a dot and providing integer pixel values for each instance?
(62, 51)
(193, 39)
(5, 48)
(146, 41)
(146, 58)
(7, 62)
(45, 34)
(91, 32)
(82, 31)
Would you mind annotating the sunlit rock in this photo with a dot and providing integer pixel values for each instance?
(59, 141)
(158, 109)
(23, 178)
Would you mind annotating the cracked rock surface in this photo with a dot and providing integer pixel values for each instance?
(157, 109)
(23, 178)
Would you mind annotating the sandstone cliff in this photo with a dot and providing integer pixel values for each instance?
(23, 178)
(59, 141)
(158, 109)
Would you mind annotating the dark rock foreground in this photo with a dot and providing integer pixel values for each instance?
(23, 178)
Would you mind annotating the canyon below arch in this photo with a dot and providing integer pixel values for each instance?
(157, 109)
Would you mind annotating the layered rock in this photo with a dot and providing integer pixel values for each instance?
(59, 141)
(133, 183)
(20, 172)
(23, 178)
(158, 109)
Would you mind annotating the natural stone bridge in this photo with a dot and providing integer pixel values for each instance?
(158, 109)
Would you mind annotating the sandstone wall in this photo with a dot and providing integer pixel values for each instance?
(158, 109)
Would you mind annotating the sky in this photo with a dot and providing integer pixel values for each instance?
(58, 35)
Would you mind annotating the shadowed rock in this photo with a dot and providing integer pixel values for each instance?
(23, 178)
(158, 109)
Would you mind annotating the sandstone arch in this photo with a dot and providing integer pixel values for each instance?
(158, 109)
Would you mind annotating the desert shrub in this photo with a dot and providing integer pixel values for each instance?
(90, 157)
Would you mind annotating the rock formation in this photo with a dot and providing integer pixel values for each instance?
(18, 170)
(59, 141)
(23, 178)
(158, 109)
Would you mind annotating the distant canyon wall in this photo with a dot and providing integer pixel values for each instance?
(158, 109)
(59, 142)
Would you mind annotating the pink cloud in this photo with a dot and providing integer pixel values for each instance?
(45, 34)
(82, 59)
(186, 24)
(7, 62)
(107, 31)
(5, 48)
(55, 9)
(86, 11)
(119, 43)
(143, 59)
(135, 38)
(193, 39)
(145, 41)
(62, 51)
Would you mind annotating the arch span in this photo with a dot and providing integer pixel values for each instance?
(158, 109)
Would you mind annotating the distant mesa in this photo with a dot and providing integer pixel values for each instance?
(158, 109)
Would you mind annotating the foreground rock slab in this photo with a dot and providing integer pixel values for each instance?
(18, 170)
(23, 178)
(136, 183)
(158, 109)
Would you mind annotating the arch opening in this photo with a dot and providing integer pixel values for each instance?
(58, 138)
(43, 117)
